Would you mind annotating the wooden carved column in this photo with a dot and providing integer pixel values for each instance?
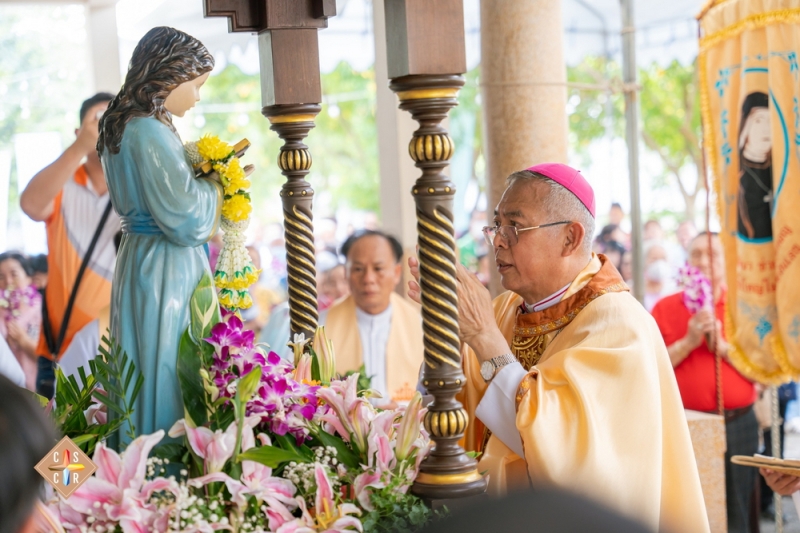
(291, 96)
(426, 57)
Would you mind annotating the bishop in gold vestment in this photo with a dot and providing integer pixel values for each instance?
(573, 386)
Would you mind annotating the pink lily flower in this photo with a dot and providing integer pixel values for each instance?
(256, 482)
(330, 517)
(384, 422)
(304, 524)
(214, 447)
(365, 481)
(278, 514)
(256, 479)
(408, 432)
(302, 372)
(298, 346)
(96, 414)
(118, 491)
(361, 420)
(331, 423)
(342, 397)
(379, 453)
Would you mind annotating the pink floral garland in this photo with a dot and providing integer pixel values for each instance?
(697, 294)
(16, 299)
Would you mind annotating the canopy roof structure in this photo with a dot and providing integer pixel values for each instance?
(665, 30)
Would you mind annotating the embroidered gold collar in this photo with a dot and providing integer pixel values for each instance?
(531, 330)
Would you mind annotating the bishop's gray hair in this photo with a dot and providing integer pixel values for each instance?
(560, 204)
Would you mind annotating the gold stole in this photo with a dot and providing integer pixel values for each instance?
(404, 350)
(534, 331)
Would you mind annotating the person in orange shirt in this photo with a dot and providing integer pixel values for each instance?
(70, 196)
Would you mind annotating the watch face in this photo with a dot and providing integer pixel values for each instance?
(487, 370)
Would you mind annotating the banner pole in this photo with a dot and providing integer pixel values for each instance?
(775, 433)
(632, 137)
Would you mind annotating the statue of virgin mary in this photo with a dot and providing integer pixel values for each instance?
(167, 214)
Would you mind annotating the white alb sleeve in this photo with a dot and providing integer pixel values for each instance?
(498, 410)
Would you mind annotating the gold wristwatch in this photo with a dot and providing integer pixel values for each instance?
(489, 368)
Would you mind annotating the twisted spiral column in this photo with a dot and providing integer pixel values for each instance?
(292, 124)
(448, 472)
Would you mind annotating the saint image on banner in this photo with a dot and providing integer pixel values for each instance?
(756, 196)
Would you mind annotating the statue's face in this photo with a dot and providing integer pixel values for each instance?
(185, 96)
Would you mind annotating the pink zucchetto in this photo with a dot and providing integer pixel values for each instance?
(571, 179)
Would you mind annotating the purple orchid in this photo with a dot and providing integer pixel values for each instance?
(284, 405)
(697, 294)
(14, 299)
(229, 335)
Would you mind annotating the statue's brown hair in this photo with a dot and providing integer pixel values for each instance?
(163, 59)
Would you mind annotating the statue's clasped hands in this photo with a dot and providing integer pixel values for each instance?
(204, 170)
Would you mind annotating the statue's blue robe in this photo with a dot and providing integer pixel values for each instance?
(167, 216)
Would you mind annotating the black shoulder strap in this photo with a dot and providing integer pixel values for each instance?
(54, 345)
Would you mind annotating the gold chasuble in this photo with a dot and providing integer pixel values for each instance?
(404, 349)
(599, 411)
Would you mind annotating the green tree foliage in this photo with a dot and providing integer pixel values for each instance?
(670, 116)
(671, 124)
(345, 141)
(595, 109)
(43, 74)
(469, 104)
(343, 145)
(230, 107)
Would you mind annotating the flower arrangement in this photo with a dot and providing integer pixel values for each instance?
(697, 293)
(265, 446)
(16, 299)
(235, 271)
(696, 287)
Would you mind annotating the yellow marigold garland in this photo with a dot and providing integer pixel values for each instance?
(235, 272)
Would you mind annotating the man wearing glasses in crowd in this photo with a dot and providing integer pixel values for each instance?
(568, 379)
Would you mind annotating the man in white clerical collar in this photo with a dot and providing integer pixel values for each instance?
(374, 328)
(569, 383)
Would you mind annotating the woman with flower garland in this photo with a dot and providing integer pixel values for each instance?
(20, 312)
(167, 214)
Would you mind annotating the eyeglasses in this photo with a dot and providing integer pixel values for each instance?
(511, 233)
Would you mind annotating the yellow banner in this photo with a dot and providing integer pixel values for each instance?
(750, 94)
